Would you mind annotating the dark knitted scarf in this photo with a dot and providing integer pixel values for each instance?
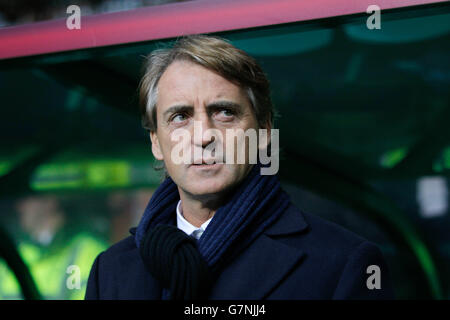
(187, 268)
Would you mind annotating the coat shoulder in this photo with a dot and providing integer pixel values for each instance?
(325, 229)
(324, 234)
(123, 247)
(119, 273)
(335, 261)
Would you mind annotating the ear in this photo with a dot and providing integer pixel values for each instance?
(268, 127)
(156, 148)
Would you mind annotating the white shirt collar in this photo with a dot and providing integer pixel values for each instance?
(188, 228)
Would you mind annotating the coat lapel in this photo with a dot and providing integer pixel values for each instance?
(144, 286)
(263, 265)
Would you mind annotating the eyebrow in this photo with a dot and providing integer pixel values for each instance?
(212, 106)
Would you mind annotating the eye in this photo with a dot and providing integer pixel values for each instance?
(226, 113)
(178, 117)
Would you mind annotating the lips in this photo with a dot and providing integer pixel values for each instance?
(200, 162)
(204, 164)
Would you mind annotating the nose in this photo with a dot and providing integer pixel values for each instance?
(202, 123)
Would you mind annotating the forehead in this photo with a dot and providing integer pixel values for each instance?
(188, 82)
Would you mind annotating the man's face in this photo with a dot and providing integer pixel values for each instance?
(189, 93)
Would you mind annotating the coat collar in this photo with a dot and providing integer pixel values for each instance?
(291, 221)
(261, 267)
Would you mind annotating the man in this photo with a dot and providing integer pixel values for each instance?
(217, 228)
(51, 246)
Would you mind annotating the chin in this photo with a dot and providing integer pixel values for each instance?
(207, 186)
(198, 182)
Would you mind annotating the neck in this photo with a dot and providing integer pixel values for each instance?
(199, 209)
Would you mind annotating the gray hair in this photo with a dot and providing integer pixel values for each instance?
(215, 54)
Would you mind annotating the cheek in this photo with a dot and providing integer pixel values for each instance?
(165, 142)
(176, 151)
(165, 148)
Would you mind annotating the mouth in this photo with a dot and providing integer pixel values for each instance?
(205, 165)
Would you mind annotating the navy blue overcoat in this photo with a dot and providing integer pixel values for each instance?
(300, 256)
